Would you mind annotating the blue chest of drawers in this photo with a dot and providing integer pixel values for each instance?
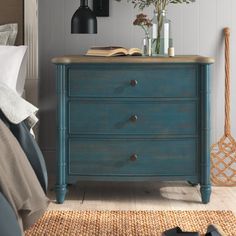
(133, 119)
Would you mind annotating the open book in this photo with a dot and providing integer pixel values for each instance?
(113, 51)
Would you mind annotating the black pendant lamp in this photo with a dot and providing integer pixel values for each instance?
(84, 20)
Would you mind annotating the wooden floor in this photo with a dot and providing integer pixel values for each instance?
(142, 196)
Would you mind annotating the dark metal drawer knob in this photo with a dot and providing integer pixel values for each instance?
(134, 157)
(133, 82)
(133, 118)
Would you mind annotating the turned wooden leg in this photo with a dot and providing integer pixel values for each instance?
(61, 191)
(205, 193)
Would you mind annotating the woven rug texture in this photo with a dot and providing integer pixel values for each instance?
(129, 223)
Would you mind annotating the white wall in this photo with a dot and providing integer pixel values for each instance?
(197, 29)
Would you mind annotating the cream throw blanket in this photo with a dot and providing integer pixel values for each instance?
(18, 182)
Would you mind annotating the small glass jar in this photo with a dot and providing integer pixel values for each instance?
(147, 46)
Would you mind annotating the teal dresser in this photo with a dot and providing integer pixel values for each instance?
(133, 119)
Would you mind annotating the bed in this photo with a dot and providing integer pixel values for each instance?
(12, 11)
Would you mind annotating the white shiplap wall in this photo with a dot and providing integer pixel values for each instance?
(197, 29)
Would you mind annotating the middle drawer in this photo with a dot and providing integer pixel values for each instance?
(132, 117)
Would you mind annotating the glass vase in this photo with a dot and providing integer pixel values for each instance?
(161, 34)
(155, 43)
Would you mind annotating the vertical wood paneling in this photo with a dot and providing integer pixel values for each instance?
(123, 28)
(190, 28)
(222, 8)
(175, 14)
(197, 29)
(207, 43)
(233, 65)
(51, 43)
(103, 33)
(106, 33)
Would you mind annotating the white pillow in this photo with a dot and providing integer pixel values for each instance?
(12, 29)
(13, 62)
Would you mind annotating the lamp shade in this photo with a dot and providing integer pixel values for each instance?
(84, 20)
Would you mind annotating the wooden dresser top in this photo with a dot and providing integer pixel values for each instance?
(126, 59)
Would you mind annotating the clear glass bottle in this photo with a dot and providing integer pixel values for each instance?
(166, 40)
(154, 33)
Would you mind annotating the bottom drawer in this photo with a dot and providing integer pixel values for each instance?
(126, 157)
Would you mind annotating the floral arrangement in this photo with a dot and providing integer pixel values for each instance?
(159, 6)
(144, 22)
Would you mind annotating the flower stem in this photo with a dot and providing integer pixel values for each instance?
(145, 30)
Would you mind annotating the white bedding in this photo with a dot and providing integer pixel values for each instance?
(13, 62)
(15, 108)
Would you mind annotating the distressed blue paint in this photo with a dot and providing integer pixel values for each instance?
(170, 137)
(114, 81)
(114, 117)
(61, 129)
(72, 179)
(205, 134)
(112, 157)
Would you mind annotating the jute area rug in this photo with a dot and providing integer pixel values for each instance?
(129, 223)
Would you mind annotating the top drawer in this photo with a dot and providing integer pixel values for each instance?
(132, 81)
